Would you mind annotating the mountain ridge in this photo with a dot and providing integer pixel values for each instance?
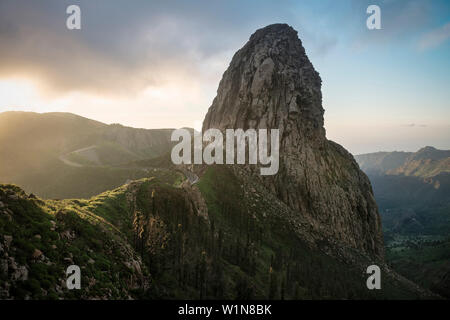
(399, 162)
(57, 150)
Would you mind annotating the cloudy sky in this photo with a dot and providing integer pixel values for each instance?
(155, 64)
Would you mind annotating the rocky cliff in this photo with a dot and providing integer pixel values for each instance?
(271, 84)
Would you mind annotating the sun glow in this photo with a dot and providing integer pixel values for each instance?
(17, 93)
(177, 103)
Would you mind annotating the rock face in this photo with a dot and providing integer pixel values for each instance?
(271, 84)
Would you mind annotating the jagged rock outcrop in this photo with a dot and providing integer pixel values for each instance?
(271, 84)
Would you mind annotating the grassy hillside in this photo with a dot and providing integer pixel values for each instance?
(148, 239)
(423, 259)
(40, 239)
(60, 155)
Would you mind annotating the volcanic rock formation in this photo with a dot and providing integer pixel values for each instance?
(271, 84)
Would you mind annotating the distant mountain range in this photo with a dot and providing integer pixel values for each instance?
(427, 162)
(417, 179)
(62, 155)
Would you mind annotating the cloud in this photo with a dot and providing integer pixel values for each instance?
(435, 37)
(124, 48)
(411, 125)
(121, 47)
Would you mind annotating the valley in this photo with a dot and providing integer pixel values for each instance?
(413, 194)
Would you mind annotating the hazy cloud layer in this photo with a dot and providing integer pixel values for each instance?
(122, 45)
(125, 45)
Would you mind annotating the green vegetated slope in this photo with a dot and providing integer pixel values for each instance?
(62, 155)
(147, 239)
(423, 259)
(41, 238)
(413, 194)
